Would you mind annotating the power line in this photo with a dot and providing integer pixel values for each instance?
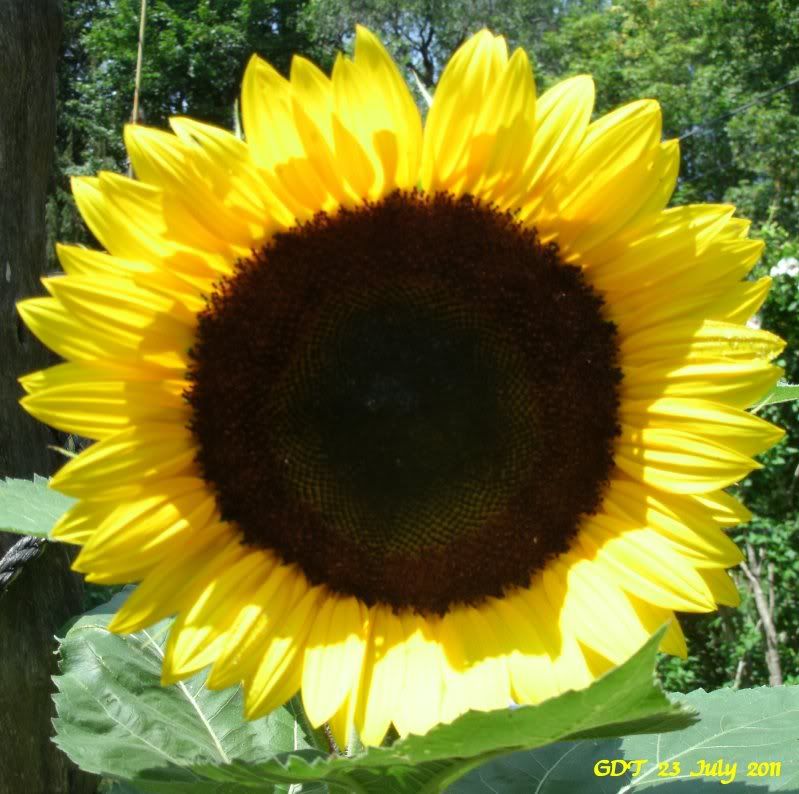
(698, 128)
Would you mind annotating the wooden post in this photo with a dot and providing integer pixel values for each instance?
(46, 593)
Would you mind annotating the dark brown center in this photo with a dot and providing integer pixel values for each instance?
(414, 400)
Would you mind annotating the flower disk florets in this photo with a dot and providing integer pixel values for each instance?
(381, 396)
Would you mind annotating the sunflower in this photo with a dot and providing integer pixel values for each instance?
(411, 419)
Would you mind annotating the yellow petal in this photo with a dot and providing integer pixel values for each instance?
(722, 424)
(379, 110)
(266, 115)
(686, 259)
(569, 663)
(361, 172)
(165, 517)
(419, 706)
(199, 632)
(313, 92)
(94, 404)
(692, 339)
(501, 137)
(736, 383)
(731, 303)
(530, 664)
(282, 650)
(105, 303)
(154, 216)
(722, 586)
(260, 613)
(638, 192)
(597, 612)
(642, 563)
(110, 228)
(667, 243)
(673, 641)
(611, 145)
(79, 261)
(679, 462)
(691, 527)
(166, 589)
(726, 510)
(475, 676)
(333, 656)
(114, 348)
(562, 116)
(77, 524)
(384, 675)
(322, 159)
(226, 161)
(163, 160)
(285, 685)
(117, 466)
(452, 120)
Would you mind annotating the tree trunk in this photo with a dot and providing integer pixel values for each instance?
(45, 594)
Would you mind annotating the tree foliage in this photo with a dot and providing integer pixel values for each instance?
(194, 53)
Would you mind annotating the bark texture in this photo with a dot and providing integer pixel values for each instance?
(46, 594)
(29, 37)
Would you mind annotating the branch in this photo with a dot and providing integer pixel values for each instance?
(739, 672)
(751, 571)
(771, 589)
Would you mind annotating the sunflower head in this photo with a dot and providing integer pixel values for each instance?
(412, 418)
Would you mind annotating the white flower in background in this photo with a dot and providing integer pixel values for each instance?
(788, 265)
(755, 322)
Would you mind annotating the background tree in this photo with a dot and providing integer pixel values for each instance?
(422, 34)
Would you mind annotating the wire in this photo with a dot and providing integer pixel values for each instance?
(697, 128)
(27, 548)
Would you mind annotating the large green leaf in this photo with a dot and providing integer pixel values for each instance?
(561, 768)
(747, 727)
(115, 718)
(624, 700)
(29, 507)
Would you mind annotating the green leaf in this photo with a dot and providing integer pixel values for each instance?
(624, 700)
(750, 726)
(783, 392)
(561, 768)
(747, 726)
(115, 718)
(29, 507)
